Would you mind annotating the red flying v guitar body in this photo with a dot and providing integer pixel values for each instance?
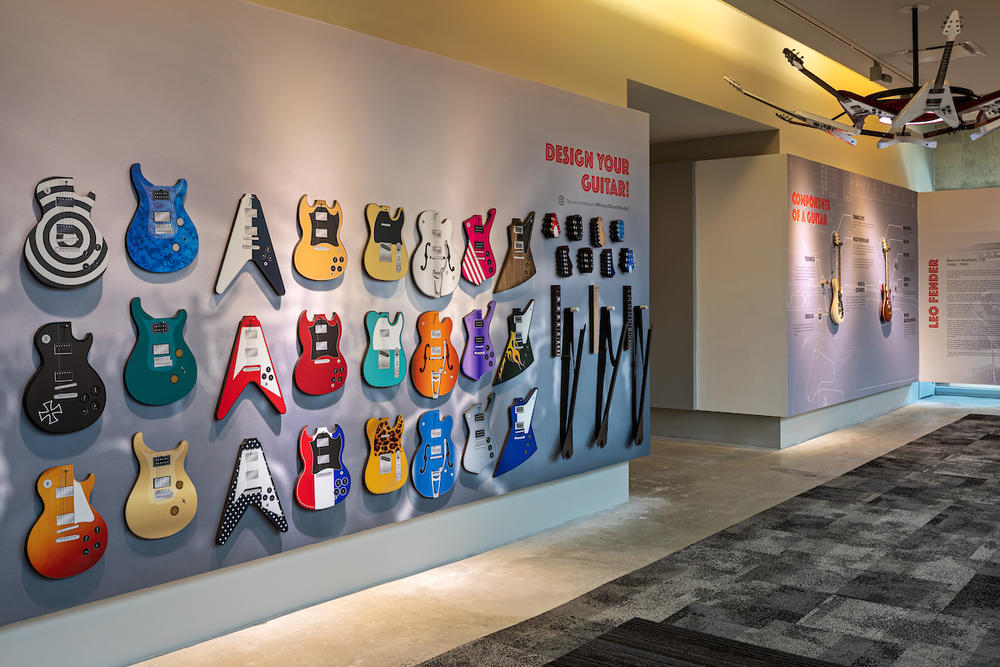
(250, 362)
(321, 368)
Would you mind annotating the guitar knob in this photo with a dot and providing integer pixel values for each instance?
(86, 552)
(180, 484)
(174, 510)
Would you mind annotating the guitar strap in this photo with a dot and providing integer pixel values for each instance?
(567, 400)
(638, 410)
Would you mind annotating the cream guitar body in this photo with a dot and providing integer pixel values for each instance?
(163, 500)
(837, 286)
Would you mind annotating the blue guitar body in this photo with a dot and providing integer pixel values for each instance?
(161, 368)
(520, 443)
(161, 237)
(434, 462)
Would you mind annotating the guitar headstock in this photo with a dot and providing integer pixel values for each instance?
(836, 239)
(794, 58)
(952, 26)
(885, 246)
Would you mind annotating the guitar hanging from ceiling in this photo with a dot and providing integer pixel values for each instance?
(915, 114)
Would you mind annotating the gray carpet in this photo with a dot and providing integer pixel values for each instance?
(894, 563)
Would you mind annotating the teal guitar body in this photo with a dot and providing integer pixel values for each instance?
(384, 364)
(161, 368)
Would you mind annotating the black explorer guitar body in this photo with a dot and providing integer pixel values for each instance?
(65, 394)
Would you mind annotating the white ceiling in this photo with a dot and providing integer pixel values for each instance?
(879, 27)
(675, 118)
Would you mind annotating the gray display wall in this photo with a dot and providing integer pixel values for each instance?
(237, 98)
(830, 363)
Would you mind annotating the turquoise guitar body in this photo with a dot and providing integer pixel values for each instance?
(160, 368)
(384, 364)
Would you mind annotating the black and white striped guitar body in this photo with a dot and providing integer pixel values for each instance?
(64, 249)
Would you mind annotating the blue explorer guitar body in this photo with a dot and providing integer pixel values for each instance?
(384, 364)
(434, 462)
(520, 443)
(161, 368)
(161, 237)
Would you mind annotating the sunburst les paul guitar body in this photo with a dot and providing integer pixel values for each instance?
(837, 286)
(885, 310)
(70, 536)
(163, 500)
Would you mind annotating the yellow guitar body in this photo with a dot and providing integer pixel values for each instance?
(386, 469)
(386, 256)
(163, 500)
(319, 254)
(837, 303)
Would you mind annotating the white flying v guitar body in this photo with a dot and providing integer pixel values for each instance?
(928, 99)
(249, 240)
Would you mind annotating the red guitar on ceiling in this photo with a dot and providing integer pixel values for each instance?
(250, 362)
(321, 368)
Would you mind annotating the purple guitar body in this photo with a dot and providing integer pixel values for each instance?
(478, 358)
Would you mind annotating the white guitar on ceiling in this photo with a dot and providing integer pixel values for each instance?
(934, 96)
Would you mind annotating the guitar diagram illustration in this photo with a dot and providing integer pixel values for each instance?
(161, 237)
(324, 481)
(161, 368)
(319, 253)
(250, 362)
(249, 240)
(434, 463)
(65, 394)
(321, 368)
(70, 536)
(163, 500)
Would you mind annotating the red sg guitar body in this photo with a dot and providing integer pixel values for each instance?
(321, 369)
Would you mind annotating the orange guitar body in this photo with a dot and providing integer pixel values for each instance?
(70, 536)
(434, 365)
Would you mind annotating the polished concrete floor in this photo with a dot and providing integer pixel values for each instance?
(680, 494)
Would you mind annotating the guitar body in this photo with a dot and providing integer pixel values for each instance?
(885, 308)
(160, 368)
(161, 237)
(434, 462)
(319, 254)
(478, 263)
(163, 500)
(250, 362)
(480, 447)
(517, 355)
(251, 486)
(518, 264)
(435, 264)
(435, 363)
(324, 481)
(384, 364)
(64, 249)
(386, 257)
(885, 311)
(520, 442)
(321, 368)
(837, 302)
(386, 469)
(65, 394)
(70, 536)
(478, 359)
(249, 240)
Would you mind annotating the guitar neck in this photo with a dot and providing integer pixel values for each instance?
(840, 277)
(943, 67)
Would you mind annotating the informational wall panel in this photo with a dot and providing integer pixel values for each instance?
(960, 287)
(240, 99)
(829, 363)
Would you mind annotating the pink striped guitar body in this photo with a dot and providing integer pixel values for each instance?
(478, 264)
